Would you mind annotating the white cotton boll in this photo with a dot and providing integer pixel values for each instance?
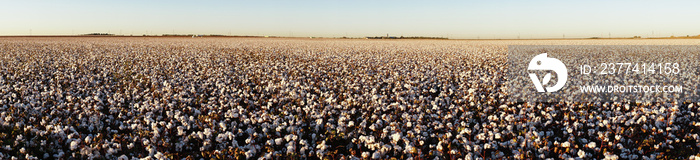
(207, 132)
(481, 136)
(395, 138)
(222, 125)
(270, 142)
(221, 138)
(410, 149)
(111, 151)
(267, 156)
(249, 154)
(151, 150)
(610, 156)
(30, 157)
(291, 148)
(453, 151)
(200, 135)
(566, 144)
(510, 118)
(469, 156)
(180, 131)
(74, 144)
(279, 141)
(581, 154)
(322, 147)
(88, 139)
(159, 155)
(591, 145)
(319, 154)
(487, 146)
(288, 137)
(365, 155)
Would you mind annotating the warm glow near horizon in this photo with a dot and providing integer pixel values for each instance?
(452, 19)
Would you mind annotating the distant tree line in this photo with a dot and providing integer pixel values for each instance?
(99, 34)
(402, 37)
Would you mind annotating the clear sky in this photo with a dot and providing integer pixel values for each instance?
(335, 18)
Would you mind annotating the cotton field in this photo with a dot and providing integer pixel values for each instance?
(275, 98)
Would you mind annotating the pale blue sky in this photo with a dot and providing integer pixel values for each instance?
(333, 18)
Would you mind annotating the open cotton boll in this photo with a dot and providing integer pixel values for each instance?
(581, 154)
(565, 144)
(591, 145)
(395, 138)
(279, 141)
(74, 145)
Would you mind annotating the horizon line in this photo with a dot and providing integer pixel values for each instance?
(343, 37)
